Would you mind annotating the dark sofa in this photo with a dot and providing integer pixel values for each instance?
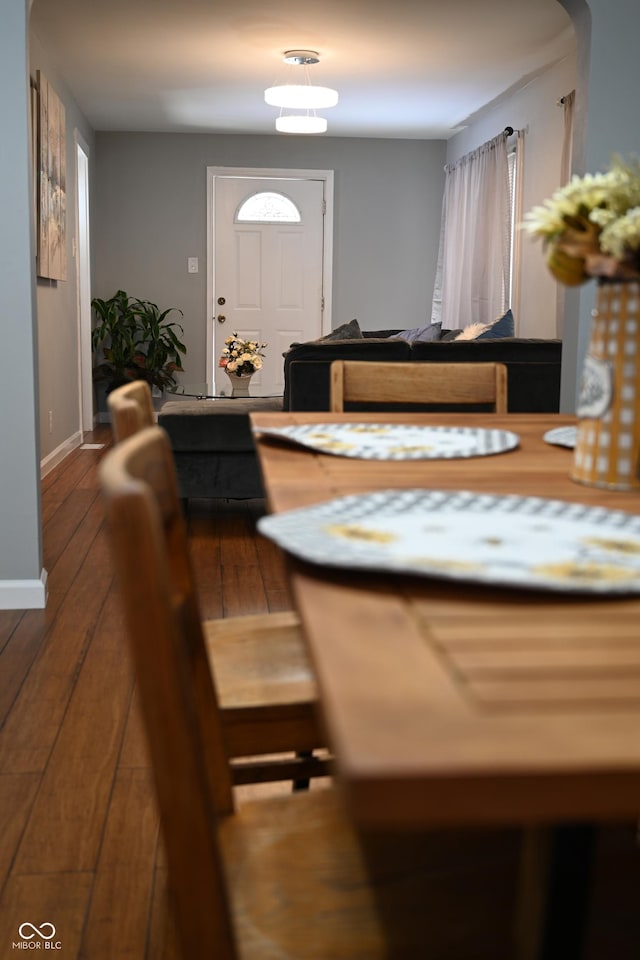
(533, 366)
(212, 440)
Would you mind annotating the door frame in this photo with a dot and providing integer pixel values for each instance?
(82, 252)
(267, 173)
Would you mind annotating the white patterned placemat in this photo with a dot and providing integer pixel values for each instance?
(561, 436)
(460, 535)
(381, 441)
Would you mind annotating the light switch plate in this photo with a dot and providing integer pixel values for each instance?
(192, 264)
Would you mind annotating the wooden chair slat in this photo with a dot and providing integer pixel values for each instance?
(356, 381)
(131, 409)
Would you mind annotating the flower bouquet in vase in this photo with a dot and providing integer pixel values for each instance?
(591, 229)
(240, 359)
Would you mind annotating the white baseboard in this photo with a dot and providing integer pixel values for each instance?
(24, 594)
(57, 456)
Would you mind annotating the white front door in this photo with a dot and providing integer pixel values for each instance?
(267, 270)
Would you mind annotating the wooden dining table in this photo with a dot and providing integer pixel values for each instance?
(459, 703)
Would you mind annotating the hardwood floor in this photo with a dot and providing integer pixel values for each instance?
(79, 843)
(79, 833)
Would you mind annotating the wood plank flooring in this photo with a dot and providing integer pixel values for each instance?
(79, 839)
(79, 832)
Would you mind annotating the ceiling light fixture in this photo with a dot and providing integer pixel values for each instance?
(300, 123)
(301, 96)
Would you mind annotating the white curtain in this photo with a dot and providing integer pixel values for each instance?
(472, 278)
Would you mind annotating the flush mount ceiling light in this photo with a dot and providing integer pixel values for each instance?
(300, 123)
(301, 96)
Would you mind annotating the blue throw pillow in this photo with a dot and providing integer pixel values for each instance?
(430, 332)
(502, 327)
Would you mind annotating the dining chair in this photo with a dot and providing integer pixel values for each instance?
(280, 876)
(355, 381)
(131, 409)
(265, 684)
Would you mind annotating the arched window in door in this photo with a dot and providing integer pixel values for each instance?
(268, 207)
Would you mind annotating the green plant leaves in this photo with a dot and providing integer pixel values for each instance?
(137, 341)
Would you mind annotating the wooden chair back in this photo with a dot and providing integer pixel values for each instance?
(131, 409)
(263, 715)
(291, 865)
(179, 705)
(355, 381)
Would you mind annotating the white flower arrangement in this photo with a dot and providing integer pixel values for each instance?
(591, 227)
(241, 357)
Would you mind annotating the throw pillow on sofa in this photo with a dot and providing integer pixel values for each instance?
(500, 328)
(424, 334)
(472, 331)
(347, 331)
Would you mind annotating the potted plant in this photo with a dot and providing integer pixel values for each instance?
(158, 346)
(115, 334)
(137, 341)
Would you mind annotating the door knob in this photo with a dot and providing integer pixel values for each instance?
(221, 318)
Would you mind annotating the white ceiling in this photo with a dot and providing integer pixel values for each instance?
(406, 69)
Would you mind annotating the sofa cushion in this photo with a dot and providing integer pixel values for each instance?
(430, 332)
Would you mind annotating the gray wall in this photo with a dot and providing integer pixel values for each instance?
(58, 374)
(20, 541)
(150, 212)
